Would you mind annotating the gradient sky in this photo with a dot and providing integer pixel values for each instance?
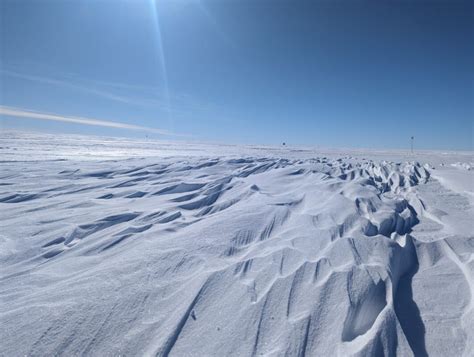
(326, 73)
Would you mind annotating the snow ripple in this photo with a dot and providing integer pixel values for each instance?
(250, 256)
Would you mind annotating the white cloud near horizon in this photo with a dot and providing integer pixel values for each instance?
(29, 114)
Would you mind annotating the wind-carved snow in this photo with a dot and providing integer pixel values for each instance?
(212, 257)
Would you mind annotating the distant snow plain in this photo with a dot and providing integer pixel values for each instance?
(124, 247)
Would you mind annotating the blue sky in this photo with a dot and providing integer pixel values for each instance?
(329, 73)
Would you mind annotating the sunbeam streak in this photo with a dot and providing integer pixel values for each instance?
(162, 62)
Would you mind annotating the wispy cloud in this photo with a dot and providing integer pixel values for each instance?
(91, 88)
(137, 95)
(25, 113)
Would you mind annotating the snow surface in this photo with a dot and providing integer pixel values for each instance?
(127, 247)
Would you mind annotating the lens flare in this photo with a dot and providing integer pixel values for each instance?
(162, 62)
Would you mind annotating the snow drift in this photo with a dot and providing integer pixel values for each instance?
(284, 254)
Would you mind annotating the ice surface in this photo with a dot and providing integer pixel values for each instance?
(125, 247)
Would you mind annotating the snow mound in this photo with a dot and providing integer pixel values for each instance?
(463, 165)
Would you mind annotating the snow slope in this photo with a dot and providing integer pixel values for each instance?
(112, 247)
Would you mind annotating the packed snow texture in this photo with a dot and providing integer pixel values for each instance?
(111, 247)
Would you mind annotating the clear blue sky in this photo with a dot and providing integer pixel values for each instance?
(330, 73)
